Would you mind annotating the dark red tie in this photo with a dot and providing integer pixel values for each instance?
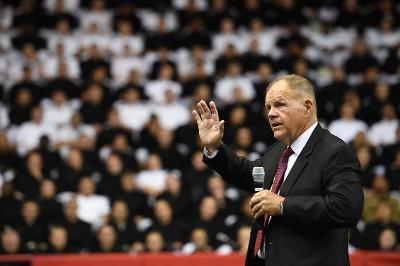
(276, 184)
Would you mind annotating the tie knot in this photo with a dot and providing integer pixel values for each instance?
(287, 153)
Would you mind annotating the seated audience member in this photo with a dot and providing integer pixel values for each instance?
(75, 135)
(29, 133)
(51, 209)
(112, 127)
(383, 233)
(109, 184)
(173, 230)
(9, 158)
(92, 208)
(156, 89)
(124, 226)
(198, 242)
(383, 132)
(29, 178)
(21, 106)
(166, 149)
(347, 126)
(122, 146)
(390, 151)
(388, 240)
(130, 106)
(393, 172)
(234, 87)
(106, 240)
(136, 200)
(172, 112)
(364, 155)
(178, 196)
(58, 241)
(93, 109)
(10, 205)
(75, 165)
(11, 243)
(152, 180)
(227, 35)
(209, 219)
(33, 231)
(226, 201)
(242, 239)
(196, 175)
(154, 242)
(79, 232)
(58, 110)
(380, 193)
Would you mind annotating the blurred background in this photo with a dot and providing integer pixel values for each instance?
(98, 150)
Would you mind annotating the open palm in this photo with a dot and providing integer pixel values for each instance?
(211, 129)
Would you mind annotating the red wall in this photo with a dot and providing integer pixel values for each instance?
(357, 259)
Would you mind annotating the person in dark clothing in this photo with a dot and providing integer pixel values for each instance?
(195, 177)
(33, 231)
(79, 232)
(166, 149)
(95, 60)
(123, 148)
(179, 197)
(172, 229)
(360, 59)
(106, 240)
(9, 205)
(21, 105)
(73, 168)
(209, 219)
(109, 184)
(28, 180)
(93, 109)
(136, 200)
(11, 243)
(110, 129)
(58, 241)
(50, 208)
(383, 221)
(125, 227)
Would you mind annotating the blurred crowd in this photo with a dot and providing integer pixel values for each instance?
(98, 150)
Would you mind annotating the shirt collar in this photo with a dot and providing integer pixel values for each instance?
(298, 145)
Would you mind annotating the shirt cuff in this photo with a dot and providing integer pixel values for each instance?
(208, 154)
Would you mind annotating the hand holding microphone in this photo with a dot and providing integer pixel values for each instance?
(264, 201)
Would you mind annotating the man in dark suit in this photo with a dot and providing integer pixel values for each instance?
(311, 186)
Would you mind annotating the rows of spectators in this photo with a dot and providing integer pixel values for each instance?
(98, 151)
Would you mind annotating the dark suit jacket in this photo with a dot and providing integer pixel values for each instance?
(323, 197)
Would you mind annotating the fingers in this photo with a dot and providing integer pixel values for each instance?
(258, 210)
(214, 111)
(258, 197)
(201, 111)
(221, 125)
(196, 116)
(205, 110)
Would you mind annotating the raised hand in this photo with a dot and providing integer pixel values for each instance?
(210, 128)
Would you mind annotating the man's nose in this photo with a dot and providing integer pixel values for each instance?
(271, 113)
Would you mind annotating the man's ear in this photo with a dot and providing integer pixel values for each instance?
(308, 104)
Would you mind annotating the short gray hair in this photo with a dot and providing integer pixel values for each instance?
(299, 84)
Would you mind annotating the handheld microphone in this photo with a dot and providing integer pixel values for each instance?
(258, 177)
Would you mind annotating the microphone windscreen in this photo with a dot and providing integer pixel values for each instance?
(258, 177)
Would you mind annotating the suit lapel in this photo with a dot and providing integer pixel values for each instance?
(271, 163)
(301, 161)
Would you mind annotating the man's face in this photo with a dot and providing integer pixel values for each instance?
(286, 112)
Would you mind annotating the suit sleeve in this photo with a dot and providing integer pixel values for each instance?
(341, 202)
(234, 169)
